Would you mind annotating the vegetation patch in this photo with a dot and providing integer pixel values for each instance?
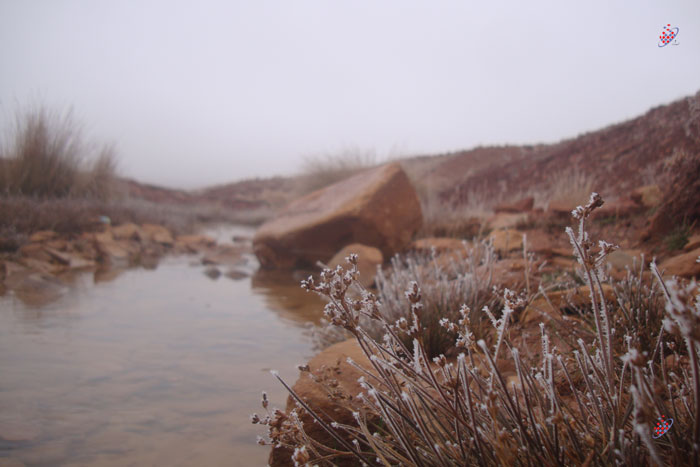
(591, 392)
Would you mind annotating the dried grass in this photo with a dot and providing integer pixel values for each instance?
(320, 171)
(48, 158)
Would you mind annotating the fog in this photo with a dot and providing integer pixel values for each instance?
(197, 93)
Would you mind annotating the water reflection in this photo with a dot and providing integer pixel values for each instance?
(282, 293)
(139, 367)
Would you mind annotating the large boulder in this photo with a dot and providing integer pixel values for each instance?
(378, 208)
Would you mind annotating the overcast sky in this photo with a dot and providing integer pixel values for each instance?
(202, 92)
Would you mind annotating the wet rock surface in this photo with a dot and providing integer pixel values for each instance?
(37, 272)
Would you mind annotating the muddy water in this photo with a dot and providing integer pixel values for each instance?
(148, 367)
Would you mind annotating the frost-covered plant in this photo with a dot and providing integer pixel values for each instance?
(594, 406)
(448, 282)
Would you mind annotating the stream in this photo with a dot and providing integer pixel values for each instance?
(150, 366)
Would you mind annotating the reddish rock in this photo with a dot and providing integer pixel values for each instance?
(440, 244)
(42, 236)
(524, 205)
(333, 361)
(158, 234)
(620, 208)
(507, 221)
(507, 240)
(44, 267)
(378, 208)
(684, 265)
(623, 259)
(70, 260)
(369, 259)
(128, 231)
(35, 251)
(110, 250)
(541, 243)
(193, 243)
(693, 243)
(562, 208)
(648, 196)
(225, 255)
(561, 301)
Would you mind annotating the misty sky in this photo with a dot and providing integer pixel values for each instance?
(196, 93)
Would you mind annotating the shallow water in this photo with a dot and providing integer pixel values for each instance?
(149, 367)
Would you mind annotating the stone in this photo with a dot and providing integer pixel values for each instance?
(623, 207)
(71, 260)
(194, 243)
(368, 260)
(128, 231)
(623, 259)
(157, 233)
(59, 244)
(542, 244)
(228, 255)
(42, 236)
(648, 196)
(693, 243)
(507, 221)
(562, 301)
(212, 272)
(378, 207)
(110, 250)
(683, 265)
(332, 360)
(562, 208)
(35, 251)
(236, 275)
(507, 240)
(45, 267)
(523, 205)
(440, 244)
(107, 274)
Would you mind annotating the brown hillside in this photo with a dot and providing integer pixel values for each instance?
(620, 157)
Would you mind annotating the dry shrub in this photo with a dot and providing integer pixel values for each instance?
(323, 170)
(48, 158)
(571, 186)
(442, 218)
(597, 405)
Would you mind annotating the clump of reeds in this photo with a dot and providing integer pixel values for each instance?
(596, 405)
(48, 158)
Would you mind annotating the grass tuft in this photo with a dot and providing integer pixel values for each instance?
(320, 171)
(48, 158)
